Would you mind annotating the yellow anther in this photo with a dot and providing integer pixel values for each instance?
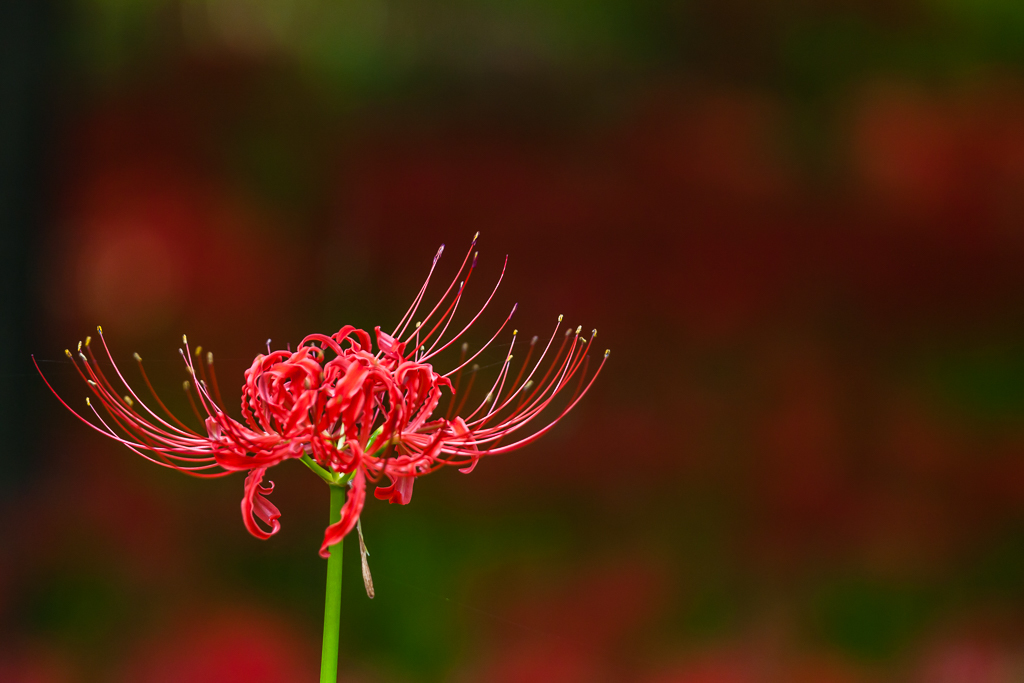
(185, 385)
(129, 401)
(67, 352)
(99, 328)
(476, 235)
(137, 357)
(79, 347)
(606, 352)
(515, 332)
(559, 317)
(87, 401)
(88, 340)
(578, 328)
(209, 357)
(184, 340)
(593, 333)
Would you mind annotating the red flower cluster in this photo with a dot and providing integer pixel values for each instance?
(348, 412)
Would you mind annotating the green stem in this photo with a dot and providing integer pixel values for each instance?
(332, 603)
(320, 471)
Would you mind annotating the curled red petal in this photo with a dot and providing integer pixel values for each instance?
(472, 465)
(255, 504)
(389, 346)
(350, 512)
(462, 431)
(400, 490)
(360, 343)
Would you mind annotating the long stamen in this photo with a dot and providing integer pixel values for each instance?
(213, 379)
(489, 342)
(447, 291)
(544, 430)
(202, 369)
(474, 318)
(568, 369)
(544, 398)
(472, 377)
(458, 378)
(186, 385)
(444, 296)
(583, 376)
(192, 471)
(448, 316)
(404, 321)
(499, 383)
(165, 445)
(103, 390)
(519, 420)
(526, 361)
(149, 385)
(554, 363)
(117, 370)
(148, 440)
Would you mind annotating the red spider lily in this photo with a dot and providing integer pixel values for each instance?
(349, 413)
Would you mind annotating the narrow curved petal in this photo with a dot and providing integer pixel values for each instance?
(255, 504)
(349, 514)
(389, 346)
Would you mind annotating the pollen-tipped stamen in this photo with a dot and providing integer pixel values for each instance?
(523, 388)
(474, 318)
(444, 296)
(213, 380)
(405, 319)
(489, 341)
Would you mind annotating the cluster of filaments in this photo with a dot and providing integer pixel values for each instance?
(349, 407)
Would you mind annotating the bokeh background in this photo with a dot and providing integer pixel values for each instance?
(799, 225)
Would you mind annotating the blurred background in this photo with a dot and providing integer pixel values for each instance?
(798, 225)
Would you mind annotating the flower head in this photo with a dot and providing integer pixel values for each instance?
(352, 414)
